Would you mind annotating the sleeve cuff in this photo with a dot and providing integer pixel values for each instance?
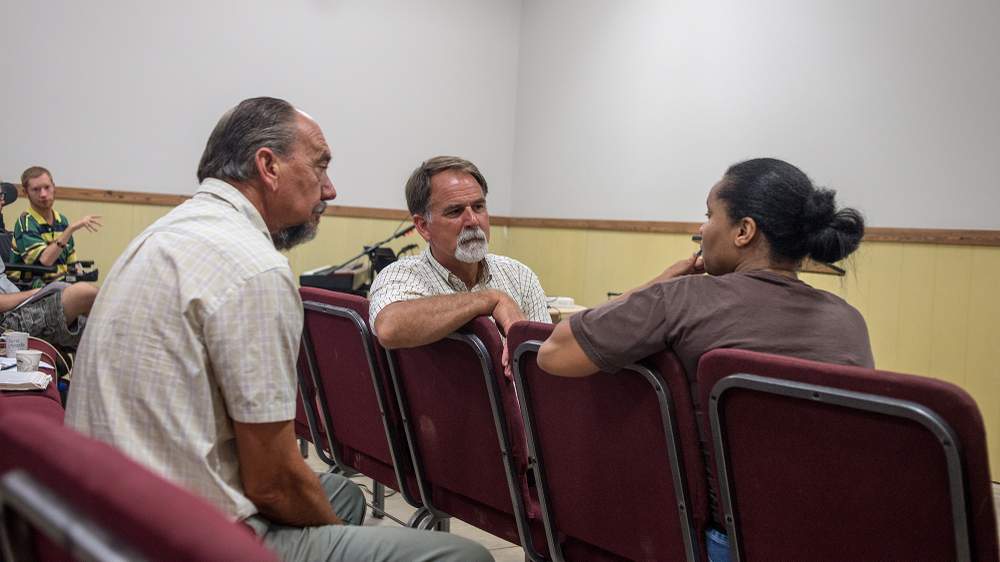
(576, 326)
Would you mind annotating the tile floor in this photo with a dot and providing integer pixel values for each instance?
(501, 550)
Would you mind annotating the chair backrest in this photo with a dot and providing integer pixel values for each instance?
(465, 433)
(827, 462)
(356, 408)
(40, 403)
(56, 481)
(617, 462)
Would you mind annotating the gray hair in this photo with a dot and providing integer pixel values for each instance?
(256, 123)
(418, 187)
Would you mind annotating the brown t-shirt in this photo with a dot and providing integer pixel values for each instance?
(757, 311)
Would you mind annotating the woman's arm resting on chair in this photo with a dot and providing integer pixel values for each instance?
(562, 355)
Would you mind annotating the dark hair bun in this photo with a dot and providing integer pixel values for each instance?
(840, 236)
(798, 219)
(818, 210)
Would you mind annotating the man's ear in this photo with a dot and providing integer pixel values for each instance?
(746, 233)
(421, 223)
(268, 167)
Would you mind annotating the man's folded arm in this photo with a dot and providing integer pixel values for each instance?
(416, 322)
(276, 478)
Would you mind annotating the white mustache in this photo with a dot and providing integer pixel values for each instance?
(319, 208)
(471, 235)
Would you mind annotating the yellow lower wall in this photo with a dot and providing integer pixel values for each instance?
(930, 308)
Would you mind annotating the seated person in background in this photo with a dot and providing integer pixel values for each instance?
(764, 217)
(421, 299)
(42, 235)
(188, 365)
(58, 316)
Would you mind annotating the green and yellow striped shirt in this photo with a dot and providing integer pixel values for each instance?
(32, 234)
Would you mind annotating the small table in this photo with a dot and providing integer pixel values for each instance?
(558, 313)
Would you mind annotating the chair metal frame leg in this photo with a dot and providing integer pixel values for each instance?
(309, 406)
(378, 500)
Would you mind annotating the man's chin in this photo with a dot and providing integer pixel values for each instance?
(288, 238)
(471, 253)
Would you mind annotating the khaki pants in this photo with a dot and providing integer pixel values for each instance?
(353, 543)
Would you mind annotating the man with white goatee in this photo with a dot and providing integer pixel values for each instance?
(421, 299)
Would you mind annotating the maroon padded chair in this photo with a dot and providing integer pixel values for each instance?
(465, 435)
(35, 401)
(45, 402)
(67, 496)
(364, 431)
(617, 462)
(827, 462)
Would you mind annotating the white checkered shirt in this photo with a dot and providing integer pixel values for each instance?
(422, 276)
(197, 324)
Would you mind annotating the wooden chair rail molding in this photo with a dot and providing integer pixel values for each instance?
(874, 234)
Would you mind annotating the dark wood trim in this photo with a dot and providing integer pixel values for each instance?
(934, 236)
(874, 234)
(366, 212)
(168, 200)
(602, 224)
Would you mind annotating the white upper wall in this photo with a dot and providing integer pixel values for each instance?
(633, 109)
(123, 95)
(622, 109)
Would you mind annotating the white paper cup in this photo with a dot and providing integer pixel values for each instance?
(28, 360)
(16, 341)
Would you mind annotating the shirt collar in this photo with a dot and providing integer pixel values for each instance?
(484, 274)
(226, 192)
(56, 217)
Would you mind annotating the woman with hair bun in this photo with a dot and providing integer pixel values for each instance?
(764, 217)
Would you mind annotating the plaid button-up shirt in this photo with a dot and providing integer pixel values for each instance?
(197, 324)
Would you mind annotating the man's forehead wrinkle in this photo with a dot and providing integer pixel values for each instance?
(311, 135)
(459, 203)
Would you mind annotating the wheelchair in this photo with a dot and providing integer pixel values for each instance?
(29, 273)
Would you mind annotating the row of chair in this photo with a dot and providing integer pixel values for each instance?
(64, 496)
(814, 461)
